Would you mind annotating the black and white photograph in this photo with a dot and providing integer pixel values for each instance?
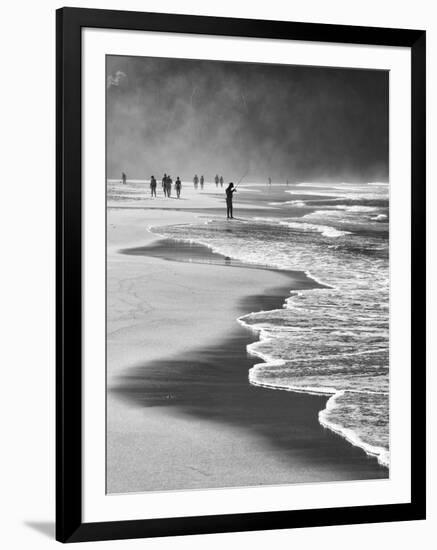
(247, 274)
(217, 275)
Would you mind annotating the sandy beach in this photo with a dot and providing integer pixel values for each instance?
(181, 413)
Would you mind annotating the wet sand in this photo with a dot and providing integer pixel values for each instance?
(187, 418)
(179, 251)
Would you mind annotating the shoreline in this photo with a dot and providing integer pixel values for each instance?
(160, 415)
(173, 429)
(332, 394)
(177, 250)
(380, 453)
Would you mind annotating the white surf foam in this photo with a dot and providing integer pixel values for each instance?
(350, 317)
(325, 230)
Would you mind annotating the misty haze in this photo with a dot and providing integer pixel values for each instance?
(287, 122)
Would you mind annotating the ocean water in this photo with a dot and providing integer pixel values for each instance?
(332, 340)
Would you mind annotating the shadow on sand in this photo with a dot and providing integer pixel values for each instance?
(212, 383)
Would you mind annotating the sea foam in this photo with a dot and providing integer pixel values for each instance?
(331, 340)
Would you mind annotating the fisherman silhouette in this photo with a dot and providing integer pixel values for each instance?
(230, 190)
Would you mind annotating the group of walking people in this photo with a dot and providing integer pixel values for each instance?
(166, 184)
(196, 180)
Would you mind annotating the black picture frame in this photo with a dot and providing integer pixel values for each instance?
(69, 524)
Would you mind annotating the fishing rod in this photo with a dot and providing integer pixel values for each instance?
(242, 178)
